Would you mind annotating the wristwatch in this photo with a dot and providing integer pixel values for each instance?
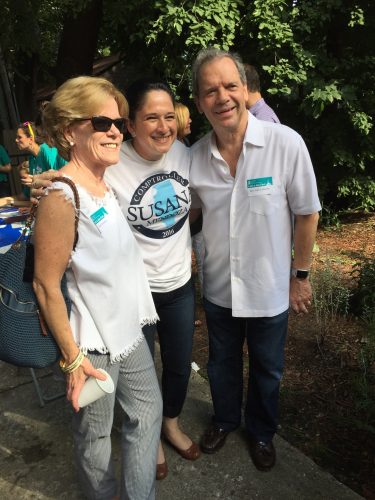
(300, 274)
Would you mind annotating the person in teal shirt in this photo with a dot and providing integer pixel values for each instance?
(5, 168)
(42, 157)
(48, 158)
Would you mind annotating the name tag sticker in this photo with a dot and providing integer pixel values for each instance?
(261, 184)
(99, 217)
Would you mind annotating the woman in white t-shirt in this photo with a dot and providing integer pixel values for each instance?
(152, 186)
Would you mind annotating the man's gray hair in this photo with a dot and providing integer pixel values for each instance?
(208, 55)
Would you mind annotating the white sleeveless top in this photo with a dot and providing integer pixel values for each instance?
(111, 298)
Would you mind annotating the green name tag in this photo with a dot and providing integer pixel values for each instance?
(99, 215)
(260, 182)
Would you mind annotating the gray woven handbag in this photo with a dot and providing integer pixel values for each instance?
(24, 336)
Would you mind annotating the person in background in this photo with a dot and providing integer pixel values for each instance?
(42, 157)
(5, 169)
(183, 122)
(107, 283)
(256, 186)
(151, 182)
(255, 102)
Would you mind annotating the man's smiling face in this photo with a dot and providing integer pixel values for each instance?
(222, 96)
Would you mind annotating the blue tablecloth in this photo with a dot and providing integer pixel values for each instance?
(9, 233)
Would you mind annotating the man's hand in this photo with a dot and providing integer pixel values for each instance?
(300, 295)
(40, 182)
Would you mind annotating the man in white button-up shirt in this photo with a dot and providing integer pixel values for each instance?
(256, 187)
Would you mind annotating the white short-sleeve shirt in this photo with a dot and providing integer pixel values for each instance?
(247, 220)
(155, 199)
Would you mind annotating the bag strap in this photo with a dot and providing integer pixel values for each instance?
(76, 202)
(29, 222)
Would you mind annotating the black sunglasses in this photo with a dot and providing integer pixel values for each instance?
(103, 123)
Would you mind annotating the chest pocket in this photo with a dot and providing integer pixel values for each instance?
(265, 202)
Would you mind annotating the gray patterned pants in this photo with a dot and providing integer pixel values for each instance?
(138, 393)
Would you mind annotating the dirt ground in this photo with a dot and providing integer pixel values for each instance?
(323, 411)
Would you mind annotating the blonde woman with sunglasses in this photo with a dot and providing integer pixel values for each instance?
(107, 283)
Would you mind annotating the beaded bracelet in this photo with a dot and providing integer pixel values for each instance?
(74, 365)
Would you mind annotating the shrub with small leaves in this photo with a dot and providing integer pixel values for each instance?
(363, 300)
(331, 296)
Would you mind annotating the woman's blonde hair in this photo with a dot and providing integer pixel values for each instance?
(182, 115)
(78, 97)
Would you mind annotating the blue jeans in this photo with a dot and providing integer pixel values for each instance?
(265, 340)
(175, 331)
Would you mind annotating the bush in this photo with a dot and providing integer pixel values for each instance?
(329, 217)
(331, 296)
(363, 305)
(363, 299)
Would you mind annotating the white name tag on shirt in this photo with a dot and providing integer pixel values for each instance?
(260, 185)
(99, 217)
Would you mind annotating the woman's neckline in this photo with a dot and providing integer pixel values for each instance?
(95, 197)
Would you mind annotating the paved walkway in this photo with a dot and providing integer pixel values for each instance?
(36, 460)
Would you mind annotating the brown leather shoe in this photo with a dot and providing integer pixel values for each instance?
(263, 455)
(192, 453)
(161, 471)
(213, 439)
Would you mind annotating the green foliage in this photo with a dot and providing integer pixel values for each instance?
(359, 191)
(329, 217)
(363, 301)
(363, 304)
(316, 61)
(319, 98)
(331, 296)
(183, 28)
(320, 61)
(364, 384)
(199, 23)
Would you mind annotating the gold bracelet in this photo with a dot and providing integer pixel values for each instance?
(74, 365)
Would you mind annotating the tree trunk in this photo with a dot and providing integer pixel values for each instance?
(25, 84)
(78, 42)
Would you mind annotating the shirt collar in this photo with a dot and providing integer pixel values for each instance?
(254, 132)
(254, 135)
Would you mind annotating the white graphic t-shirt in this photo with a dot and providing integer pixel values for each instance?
(155, 199)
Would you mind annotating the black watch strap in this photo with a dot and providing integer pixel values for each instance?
(300, 274)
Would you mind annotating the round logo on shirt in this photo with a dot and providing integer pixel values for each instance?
(160, 205)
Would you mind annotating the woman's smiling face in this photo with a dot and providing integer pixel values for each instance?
(154, 128)
(93, 147)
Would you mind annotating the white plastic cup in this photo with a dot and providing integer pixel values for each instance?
(94, 389)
